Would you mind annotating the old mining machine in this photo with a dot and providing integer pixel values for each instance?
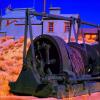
(54, 68)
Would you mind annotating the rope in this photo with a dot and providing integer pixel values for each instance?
(76, 60)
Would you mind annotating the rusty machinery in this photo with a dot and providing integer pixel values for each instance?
(52, 67)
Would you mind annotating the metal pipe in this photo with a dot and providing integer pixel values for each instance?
(80, 80)
(88, 23)
(25, 37)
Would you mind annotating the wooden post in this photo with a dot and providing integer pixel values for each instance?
(99, 36)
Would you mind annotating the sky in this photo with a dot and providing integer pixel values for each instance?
(89, 10)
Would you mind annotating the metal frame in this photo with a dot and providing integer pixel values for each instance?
(71, 19)
(28, 22)
(60, 89)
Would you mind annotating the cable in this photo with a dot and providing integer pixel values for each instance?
(34, 2)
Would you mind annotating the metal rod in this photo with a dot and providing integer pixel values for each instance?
(74, 30)
(42, 28)
(86, 79)
(25, 37)
(98, 35)
(49, 15)
(34, 70)
(87, 23)
(60, 17)
(70, 31)
(11, 18)
(78, 29)
(84, 44)
(19, 9)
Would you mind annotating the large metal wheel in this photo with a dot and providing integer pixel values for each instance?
(51, 55)
(51, 61)
(55, 66)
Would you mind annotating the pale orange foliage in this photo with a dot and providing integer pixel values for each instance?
(18, 45)
(94, 37)
(10, 62)
(3, 40)
(9, 37)
(21, 40)
(1, 47)
(1, 58)
(11, 45)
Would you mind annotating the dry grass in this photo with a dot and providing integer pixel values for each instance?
(10, 62)
(10, 68)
